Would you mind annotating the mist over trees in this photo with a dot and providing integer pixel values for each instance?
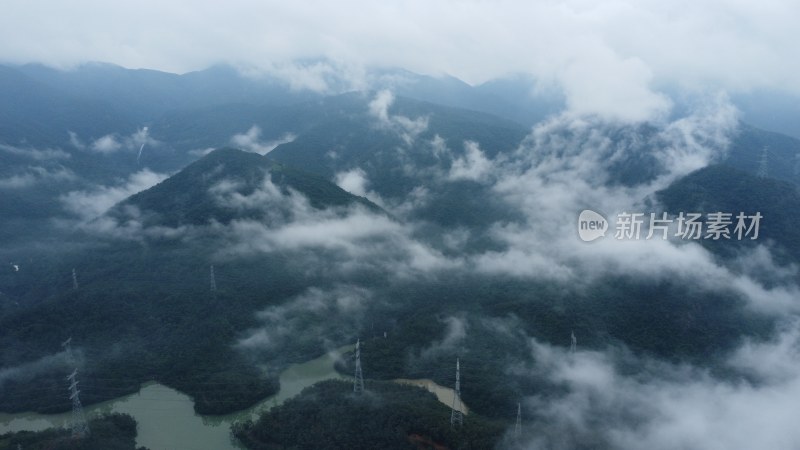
(415, 216)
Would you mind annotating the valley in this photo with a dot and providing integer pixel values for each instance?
(205, 253)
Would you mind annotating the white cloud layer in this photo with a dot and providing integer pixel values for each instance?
(607, 56)
(567, 164)
(406, 128)
(112, 143)
(251, 141)
(353, 181)
(34, 175)
(106, 144)
(92, 203)
(45, 364)
(664, 406)
(34, 153)
(311, 315)
(473, 165)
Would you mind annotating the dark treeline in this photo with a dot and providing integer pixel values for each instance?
(500, 317)
(156, 319)
(109, 432)
(144, 311)
(140, 314)
(329, 415)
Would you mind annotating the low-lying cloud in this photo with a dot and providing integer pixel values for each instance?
(35, 175)
(666, 406)
(569, 164)
(406, 128)
(46, 364)
(317, 315)
(604, 57)
(473, 165)
(452, 341)
(92, 203)
(251, 141)
(114, 142)
(45, 154)
(106, 144)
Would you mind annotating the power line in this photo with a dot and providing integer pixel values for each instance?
(797, 165)
(456, 416)
(573, 346)
(213, 280)
(358, 383)
(80, 428)
(763, 168)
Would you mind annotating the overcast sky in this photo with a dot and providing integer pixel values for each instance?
(622, 48)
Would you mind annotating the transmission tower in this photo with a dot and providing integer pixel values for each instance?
(797, 165)
(213, 280)
(763, 168)
(573, 346)
(518, 426)
(74, 279)
(68, 348)
(456, 416)
(358, 383)
(80, 428)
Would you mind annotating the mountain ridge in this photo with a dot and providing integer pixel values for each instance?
(183, 199)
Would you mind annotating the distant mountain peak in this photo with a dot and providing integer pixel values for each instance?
(230, 184)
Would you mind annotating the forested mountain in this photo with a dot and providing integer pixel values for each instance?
(200, 193)
(390, 416)
(149, 230)
(39, 114)
(723, 188)
(147, 94)
(110, 432)
(223, 226)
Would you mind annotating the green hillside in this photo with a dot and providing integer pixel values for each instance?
(109, 432)
(151, 298)
(727, 189)
(386, 416)
(187, 197)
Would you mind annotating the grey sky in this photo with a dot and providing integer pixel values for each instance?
(602, 53)
(471, 39)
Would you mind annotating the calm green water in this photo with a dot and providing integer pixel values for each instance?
(167, 420)
(443, 394)
(166, 417)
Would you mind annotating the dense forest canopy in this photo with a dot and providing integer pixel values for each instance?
(209, 230)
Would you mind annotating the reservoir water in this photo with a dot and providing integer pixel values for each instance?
(443, 394)
(167, 421)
